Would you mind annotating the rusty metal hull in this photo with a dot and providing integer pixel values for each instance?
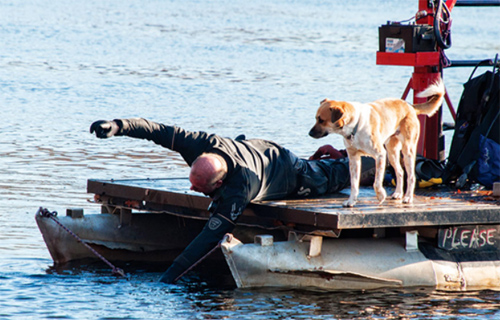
(148, 237)
(352, 264)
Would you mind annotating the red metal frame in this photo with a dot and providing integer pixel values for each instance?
(427, 68)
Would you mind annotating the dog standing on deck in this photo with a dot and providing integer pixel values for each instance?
(382, 128)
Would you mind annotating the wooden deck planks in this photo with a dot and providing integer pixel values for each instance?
(430, 207)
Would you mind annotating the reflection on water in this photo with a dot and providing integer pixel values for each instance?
(229, 67)
(140, 296)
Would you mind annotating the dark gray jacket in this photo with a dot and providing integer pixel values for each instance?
(257, 170)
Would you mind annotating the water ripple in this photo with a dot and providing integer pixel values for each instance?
(229, 67)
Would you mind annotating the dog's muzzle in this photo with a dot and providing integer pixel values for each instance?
(315, 133)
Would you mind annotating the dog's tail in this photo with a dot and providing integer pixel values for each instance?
(435, 92)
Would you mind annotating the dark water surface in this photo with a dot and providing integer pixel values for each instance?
(230, 67)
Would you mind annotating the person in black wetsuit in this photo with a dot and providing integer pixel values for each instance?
(232, 173)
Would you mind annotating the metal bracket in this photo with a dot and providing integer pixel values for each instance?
(264, 240)
(74, 213)
(125, 217)
(315, 246)
(411, 241)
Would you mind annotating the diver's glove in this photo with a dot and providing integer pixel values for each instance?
(104, 129)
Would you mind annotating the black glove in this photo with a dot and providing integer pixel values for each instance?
(104, 129)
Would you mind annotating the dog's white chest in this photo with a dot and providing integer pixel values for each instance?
(357, 133)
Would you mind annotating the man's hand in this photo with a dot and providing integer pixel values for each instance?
(104, 129)
(328, 152)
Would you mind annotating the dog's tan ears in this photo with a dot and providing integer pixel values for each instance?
(336, 114)
(323, 101)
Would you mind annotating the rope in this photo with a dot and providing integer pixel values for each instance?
(43, 212)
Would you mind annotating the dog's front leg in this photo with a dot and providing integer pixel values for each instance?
(380, 161)
(355, 171)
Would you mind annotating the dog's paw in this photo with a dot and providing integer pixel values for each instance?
(349, 203)
(381, 195)
(408, 199)
(397, 196)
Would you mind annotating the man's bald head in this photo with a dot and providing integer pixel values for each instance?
(207, 173)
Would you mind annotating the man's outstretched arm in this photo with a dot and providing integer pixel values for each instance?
(189, 144)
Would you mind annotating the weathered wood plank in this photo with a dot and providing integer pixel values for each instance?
(430, 208)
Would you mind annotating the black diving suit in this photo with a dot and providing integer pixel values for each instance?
(257, 170)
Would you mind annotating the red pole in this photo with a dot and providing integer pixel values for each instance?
(431, 141)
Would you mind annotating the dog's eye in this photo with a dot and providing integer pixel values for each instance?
(320, 121)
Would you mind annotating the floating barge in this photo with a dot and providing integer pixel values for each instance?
(446, 239)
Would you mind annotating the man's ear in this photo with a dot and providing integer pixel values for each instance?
(218, 184)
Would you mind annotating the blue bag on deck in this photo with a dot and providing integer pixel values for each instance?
(488, 162)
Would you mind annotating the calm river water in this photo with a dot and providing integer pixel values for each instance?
(230, 67)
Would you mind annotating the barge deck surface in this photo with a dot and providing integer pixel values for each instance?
(438, 206)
